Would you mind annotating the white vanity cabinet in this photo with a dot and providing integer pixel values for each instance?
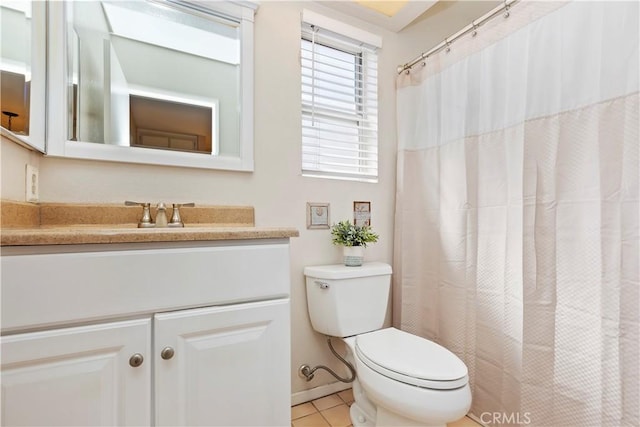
(146, 334)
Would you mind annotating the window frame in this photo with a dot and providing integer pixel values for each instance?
(365, 165)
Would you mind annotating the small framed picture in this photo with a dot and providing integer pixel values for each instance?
(317, 215)
(362, 213)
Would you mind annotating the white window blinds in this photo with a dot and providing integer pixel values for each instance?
(339, 106)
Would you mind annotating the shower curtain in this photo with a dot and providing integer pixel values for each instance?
(517, 212)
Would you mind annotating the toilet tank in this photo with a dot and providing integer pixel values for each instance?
(345, 301)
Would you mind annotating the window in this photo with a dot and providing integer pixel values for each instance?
(339, 106)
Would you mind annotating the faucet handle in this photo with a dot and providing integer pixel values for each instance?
(145, 221)
(186, 205)
(176, 221)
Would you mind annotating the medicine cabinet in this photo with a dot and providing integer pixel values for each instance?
(155, 82)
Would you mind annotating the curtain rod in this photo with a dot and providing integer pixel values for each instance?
(475, 24)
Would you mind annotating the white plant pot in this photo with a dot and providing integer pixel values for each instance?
(353, 255)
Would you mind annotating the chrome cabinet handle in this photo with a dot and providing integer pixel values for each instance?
(167, 353)
(136, 360)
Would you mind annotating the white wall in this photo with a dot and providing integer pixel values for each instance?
(13, 161)
(276, 188)
(442, 20)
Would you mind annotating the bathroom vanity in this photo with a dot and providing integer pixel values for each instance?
(193, 331)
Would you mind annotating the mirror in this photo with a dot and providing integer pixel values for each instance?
(22, 71)
(161, 82)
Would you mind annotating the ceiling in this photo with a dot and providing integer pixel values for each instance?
(393, 15)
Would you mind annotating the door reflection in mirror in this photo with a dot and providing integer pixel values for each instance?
(172, 125)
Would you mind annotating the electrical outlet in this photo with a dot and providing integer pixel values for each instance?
(32, 186)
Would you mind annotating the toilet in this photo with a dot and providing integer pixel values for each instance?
(401, 379)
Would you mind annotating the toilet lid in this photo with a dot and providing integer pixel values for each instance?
(411, 359)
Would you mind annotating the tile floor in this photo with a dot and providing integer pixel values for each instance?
(333, 411)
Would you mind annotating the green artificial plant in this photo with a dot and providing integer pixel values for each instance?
(346, 234)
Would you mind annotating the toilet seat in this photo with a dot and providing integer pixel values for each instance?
(411, 359)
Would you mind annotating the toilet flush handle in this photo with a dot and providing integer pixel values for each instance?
(323, 285)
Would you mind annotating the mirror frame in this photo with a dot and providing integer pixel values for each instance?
(37, 100)
(58, 144)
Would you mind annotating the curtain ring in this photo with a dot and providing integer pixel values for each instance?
(448, 45)
(506, 9)
(475, 29)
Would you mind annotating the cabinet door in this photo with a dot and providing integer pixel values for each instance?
(77, 376)
(231, 365)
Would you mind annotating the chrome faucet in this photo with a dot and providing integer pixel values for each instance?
(176, 221)
(161, 215)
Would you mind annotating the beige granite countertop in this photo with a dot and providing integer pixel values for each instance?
(74, 235)
(26, 224)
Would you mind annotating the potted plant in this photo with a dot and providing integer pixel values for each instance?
(354, 238)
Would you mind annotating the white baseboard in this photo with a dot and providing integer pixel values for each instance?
(317, 392)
